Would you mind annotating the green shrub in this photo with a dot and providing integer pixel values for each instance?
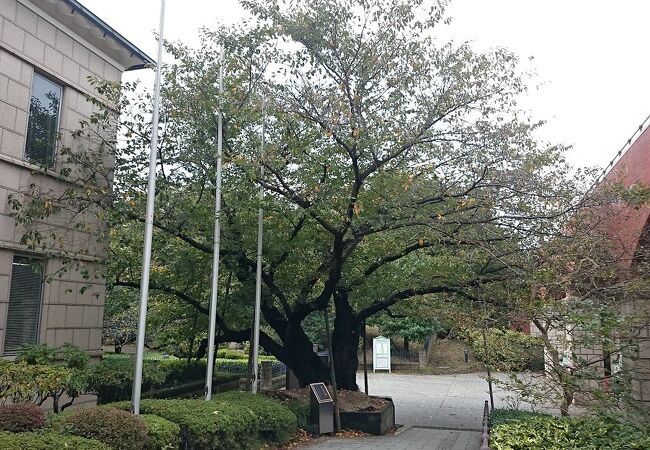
(231, 354)
(42, 372)
(112, 378)
(516, 430)
(206, 425)
(301, 410)
(68, 354)
(118, 429)
(21, 417)
(37, 354)
(179, 371)
(507, 350)
(277, 423)
(47, 441)
(26, 383)
(161, 433)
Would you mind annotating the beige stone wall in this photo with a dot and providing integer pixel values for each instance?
(641, 382)
(31, 42)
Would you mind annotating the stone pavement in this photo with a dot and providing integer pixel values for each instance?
(438, 401)
(440, 412)
(413, 438)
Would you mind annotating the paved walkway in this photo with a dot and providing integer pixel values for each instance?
(413, 438)
(440, 412)
(440, 401)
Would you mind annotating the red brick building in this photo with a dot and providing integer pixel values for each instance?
(629, 227)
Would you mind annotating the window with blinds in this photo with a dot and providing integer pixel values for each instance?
(24, 310)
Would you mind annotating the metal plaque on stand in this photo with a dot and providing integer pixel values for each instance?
(321, 408)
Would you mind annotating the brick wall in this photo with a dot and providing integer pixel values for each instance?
(626, 226)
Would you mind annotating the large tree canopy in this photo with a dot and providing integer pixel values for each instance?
(396, 166)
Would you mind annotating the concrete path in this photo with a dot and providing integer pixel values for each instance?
(439, 401)
(439, 412)
(413, 438)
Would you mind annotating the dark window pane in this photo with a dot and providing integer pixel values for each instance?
(43, 125)
(24, 304)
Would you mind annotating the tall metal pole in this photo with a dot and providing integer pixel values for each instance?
(148, 227)
(212, 330)
(258, 279)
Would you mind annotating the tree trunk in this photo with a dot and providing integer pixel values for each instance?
(406, 344)
(301, 358)
(567, 400)
(345, 340)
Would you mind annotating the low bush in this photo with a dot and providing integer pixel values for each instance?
(47, 441)
(41, 372)
(26, 383)
(161, 433)
(301, 410)
(507, 350)
(118, 429)
(112, 378)
(21, 417)
(277, 423)
(205, 425)
(225, 353)
(517, 430)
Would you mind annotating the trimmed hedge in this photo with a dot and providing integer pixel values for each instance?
(277, 423)
(47, 441)
(224, 353)
(519, 430)
(162, 434)
(206, 425)
(112, 378)
(231, 421)
(118, 429)
(21, 417)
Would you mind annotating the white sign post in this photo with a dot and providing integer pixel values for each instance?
(380, 354)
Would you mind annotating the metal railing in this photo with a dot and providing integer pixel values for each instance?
(408, 355)
(241, 368)
(279, 368)
(485, 435)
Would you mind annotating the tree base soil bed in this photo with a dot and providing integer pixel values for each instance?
(360, 412)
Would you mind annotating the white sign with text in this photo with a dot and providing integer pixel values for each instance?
(380, 354)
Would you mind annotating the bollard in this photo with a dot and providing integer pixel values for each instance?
(466, 356)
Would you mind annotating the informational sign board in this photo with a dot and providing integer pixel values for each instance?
(380, 354)
(321, 408)
(320, 392)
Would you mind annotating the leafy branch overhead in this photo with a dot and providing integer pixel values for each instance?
(396, 167)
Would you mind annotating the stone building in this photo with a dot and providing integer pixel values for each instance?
(48, 51)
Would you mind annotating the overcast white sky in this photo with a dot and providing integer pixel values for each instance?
(591, 56)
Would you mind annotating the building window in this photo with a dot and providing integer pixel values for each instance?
(24, 311)
(43, 126)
